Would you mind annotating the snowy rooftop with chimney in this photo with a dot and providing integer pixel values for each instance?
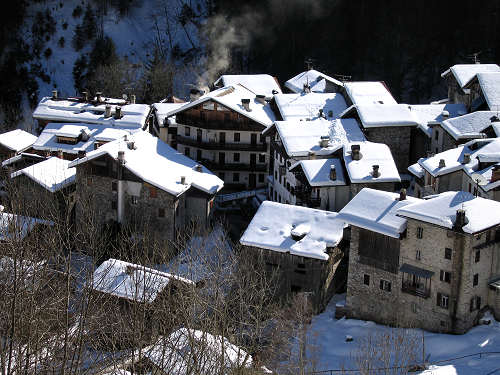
(300, 138)
(317, 171)
(441, 209)
(164, 110)
(275, 224)
(63, 110)
(259, 84)
(470, 125)
(307, 106)
(149, 156)
(382, 115)
(17, 140)
(426, 114)
(230, 97)
(463, 73)
(372, 154)
(365, 92)
(53, 173)
(17, 227)
(91, 133)
(316, 80)
(490, 86)
(131, 281)
(376, 210)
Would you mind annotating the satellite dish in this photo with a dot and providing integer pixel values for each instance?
(479, 179)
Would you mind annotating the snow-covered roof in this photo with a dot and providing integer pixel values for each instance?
(48, 138)
(307, 106)
(416, 169)
(22, 155)
(17, 227)
(452, 161)
(383, 115)
(164, 110)
(158, 164)
(230, 97)
(490, 86)
(368, 93)
(317, 171)
(376, 210)
(468, 126)
(176, 353)
(274, 224)
(360, 171)
(441, 209)
(486, 174)
(463, 73)
(131, 281)
(53, 173)
(300, 138)
(316, 80)
(426, 114)
(133, 115)
(17, 140)
(259, 84)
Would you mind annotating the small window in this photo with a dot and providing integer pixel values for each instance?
(477, 256)
(418, 255)
(114, 186)
(442, 323)
(261, 177)
(436, 135)
(198, 155)
(447, 253)
(420, 232)
(236, 137)
(262, 139)
(475, 280)
(187, 131)
(262, 158)
(186, 151)
(366, 279)
(152, 192)
(161, 212)
(236, 157)
(133, 200)
(275, 175)
(445, 276)
(114, 205)
(236, 177)
(385, 285)
(443, 300)
(475, 303)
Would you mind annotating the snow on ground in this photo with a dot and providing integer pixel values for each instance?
(333, 352)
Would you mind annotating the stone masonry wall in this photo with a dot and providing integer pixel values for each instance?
(398, 139)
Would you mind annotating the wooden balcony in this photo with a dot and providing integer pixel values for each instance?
(210, 145)
(411, 288)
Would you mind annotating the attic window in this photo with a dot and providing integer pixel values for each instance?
(68, 140)
(209, 106)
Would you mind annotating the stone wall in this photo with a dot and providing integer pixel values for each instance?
(398, 138)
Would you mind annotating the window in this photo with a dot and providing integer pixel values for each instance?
(366, 279)
(418, 255)
(261, 177)
(475, 303)
(420, 232)
(152, 192)
(436, 135)
(161, 212)
(275, 175)
(262, 158)
(186, 151)
(236, 137)
(187, 131)
(443, 300)
(477, 256)
(114, 186)
(385, 285)
(236, 157)
(133, 200)
(114, 205)
(236, 177)
(447, 253)
(445, 276)
(198, 155)
(475, 279)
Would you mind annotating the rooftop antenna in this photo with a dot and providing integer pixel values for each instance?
(474, 57)
(480, 181)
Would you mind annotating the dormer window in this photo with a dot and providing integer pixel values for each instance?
(68, 140)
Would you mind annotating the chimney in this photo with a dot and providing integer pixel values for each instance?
(121, 157)
(402, 195)
(333, 173)
(461, 219)
(274, 92)
(246, 104)
(261, 99)
(495, 173)
(324, 140)
(60, 154)
(118, 112)
(445, 115)
(132, 99)
(442, 163)
(375, 172)
(194, 94)
(81, 154)
(98, 96)
(131, 145)
(198, 168)
(183, 180)
(330, 113)
(355, 153)
(312, 155)
(54, 94)
(85, 96)
(320, 114)
(466, 158)
(107, 111)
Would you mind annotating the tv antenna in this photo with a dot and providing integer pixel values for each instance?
(474, 57)
(480, 181)
(309, 63)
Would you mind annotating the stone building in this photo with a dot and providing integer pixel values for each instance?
(485, 87)
(144, 184)
(301, 247)
(312, 81)
(15, 142)
(429, 263)
(222, 130)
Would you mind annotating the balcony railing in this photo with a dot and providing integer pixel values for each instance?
(410, 288)
(234, 166)
(212, 145)
(214, 124)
